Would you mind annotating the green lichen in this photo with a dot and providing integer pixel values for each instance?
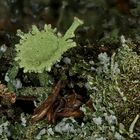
(113, 86)
(39, 50)
(40, 93)
(11, 76)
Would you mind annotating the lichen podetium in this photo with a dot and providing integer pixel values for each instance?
(39, 50)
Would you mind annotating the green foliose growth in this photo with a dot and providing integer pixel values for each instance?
(39, 50)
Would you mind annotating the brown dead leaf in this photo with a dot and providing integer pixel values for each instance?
(58, 106)
(46, 108)
(5, 96)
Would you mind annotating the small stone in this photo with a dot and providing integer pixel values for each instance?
(98, 120)
(123, 39)
(93, 69)
(118, 136)
(91, 62)
(17, 83)
(3, 48)
(67, 60)
(6, 78)
(50, 131)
